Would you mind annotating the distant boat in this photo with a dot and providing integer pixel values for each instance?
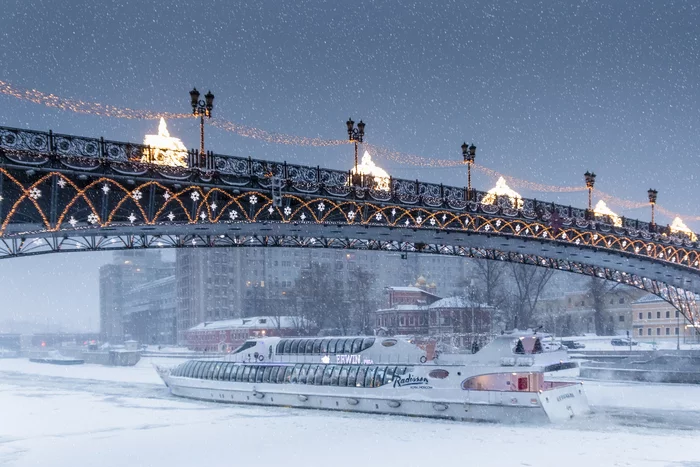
(56, 358)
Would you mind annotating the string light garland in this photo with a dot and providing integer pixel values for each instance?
(95, 108)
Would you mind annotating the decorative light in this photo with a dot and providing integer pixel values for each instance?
(167, 150)
(502, 189)
(602, 209)
(380, 178)
(679, 226)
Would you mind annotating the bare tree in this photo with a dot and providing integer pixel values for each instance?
(599, 290)
(490, 276)
(321, 299)
(364, 300)
(530, 282)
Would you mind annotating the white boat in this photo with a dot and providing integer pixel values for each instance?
(384, 375)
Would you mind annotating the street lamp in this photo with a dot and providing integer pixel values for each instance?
(590, 181)
(356, 135)
(469, 152)
(201, 109)
(652, 200)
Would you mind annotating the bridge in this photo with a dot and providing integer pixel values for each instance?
(63, 193)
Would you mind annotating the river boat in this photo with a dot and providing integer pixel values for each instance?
(505, 381)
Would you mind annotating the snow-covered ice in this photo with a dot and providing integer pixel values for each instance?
(105, 416)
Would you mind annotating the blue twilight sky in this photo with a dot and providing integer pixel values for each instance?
(546, 90)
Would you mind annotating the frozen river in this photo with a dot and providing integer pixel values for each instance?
(102, 416)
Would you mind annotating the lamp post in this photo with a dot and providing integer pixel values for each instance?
(469, 153)
(678, 330)
(356, 135)
(652, 200)
(590, 181)
(201, 109)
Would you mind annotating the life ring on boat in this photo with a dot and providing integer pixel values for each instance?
(261, 357)
(423, 359)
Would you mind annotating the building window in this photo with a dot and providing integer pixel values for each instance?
(401, 321)
(621, 318)
(622, 300)
(640, 316)
(658, 315)
(677, 313)
(658, 331)
(676, 331)
(649, 332)
(668, 331)
(640, 331)
(649, 315)
(668, 314)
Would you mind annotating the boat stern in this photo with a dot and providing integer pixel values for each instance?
(563, 400)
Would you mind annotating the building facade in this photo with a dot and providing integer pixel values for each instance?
(656, 320)
(226, 335)
(150, 317)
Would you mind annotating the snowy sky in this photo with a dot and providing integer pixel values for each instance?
(546, 90)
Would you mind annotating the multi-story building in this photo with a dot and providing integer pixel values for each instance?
(129, 269)
(149, 316)
(654, 319)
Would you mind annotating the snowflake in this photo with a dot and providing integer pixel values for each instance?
(214, 206)
(673, 260)
(595, 237)
(92, 218)
(544, 234)
(609, 243)
(527, 231)
(195, 196)
(202, 215)
(287, 211)
(578, 241)
(171, 216)
(537, 228)
(303, 216)
(661, 255)
(136, 194)
(61, 182)
(378, 216)
(351, 215)
(35, 193)
(419, 219)
(393, 212)
(105, 188)
(233, 215)
(312, 241)
(668, 251)
(131, 218)
(253, 200)
(432, 221)
(166, 195)
(270, 209)
(648, 247)
(498, 223)
(517, 228)
(696, 263)
(1, 198)
(487, 228)
(624, 243)
(406, 222)
(636, 249)
(72, 221)
(321, 207)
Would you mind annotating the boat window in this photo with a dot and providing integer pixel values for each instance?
(227, 371)
(302, 374)
(202, 370)
(347, 347)
(317, 345)
(234, 372)
(280, 374)
(343, 378)
(295, 346)
(213, 370)
(196, 369)
(244, 376)
(287, 346)
(324, 346)
(205, 371)
(181, 369)
(361, 377)
(340, 345)
(311, 374)
(186, 370)
(379, 377)
(401, 370)
(253, 373)
(356, 346)
(266, 375)
(288, 374)
(273, 374)
(280, 347)
(367, 343)
(309, 349)
(389, 375)
(369, 376)
(327, 375)
(318, 378)
(331, 345)
(190, 368)
(246, 345)
(352, 376)
(218, 371)
(295, 374)
(261, 374)
(335, 375)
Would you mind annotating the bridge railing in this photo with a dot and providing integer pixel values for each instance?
(28, 144)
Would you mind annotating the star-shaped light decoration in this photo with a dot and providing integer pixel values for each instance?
(136, 194)
(171, 216)
(72, 221)
(444, 217)
(303, 216)
(393, 212)
(105, 188)
(213, 206)
(1, 198)
(351, 215)
(407, 222)
(131, 217)
(432, 221)
(270, 209)
(202, 215)
(194, 195)
(61, 182)
(166, 195)
(321, 206)
(419, 219)
(35, 193)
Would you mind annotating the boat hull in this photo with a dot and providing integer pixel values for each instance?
(509, 407)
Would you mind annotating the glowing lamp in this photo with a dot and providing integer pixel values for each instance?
(210, 100)
(194, 96)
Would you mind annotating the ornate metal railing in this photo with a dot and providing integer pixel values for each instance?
(29, 147)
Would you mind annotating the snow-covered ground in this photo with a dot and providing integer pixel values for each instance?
(94, 415)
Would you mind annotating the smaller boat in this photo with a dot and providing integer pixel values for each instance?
(55, 358)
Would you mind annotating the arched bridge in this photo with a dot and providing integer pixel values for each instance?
(61, 193)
